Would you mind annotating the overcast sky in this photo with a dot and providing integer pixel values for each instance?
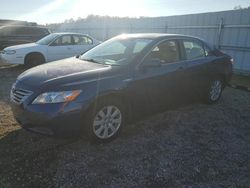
(52, 11)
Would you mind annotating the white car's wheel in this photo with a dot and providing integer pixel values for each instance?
(34, 60)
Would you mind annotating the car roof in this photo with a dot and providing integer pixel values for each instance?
(155, 35)
(69, 33)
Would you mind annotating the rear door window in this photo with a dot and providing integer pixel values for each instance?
(193, 49)
(82, 40)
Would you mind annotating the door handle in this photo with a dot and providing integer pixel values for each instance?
(69, 48)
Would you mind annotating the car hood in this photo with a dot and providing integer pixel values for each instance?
(22, 46)
(62, 72)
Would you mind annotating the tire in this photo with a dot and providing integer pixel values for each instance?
(105, 120)
(34, 60)
(214, 91)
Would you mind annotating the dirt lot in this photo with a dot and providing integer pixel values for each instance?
(195, 145)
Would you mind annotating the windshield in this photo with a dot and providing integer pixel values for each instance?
(116, 51)
(48, 39)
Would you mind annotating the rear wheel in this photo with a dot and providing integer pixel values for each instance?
(214, 90)
(106, 120)
(34, 60)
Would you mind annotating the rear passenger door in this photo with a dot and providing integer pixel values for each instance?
(198, 62)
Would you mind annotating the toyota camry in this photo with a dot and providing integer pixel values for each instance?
(96, 93)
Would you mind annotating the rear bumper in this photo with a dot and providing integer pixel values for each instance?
(50, 119)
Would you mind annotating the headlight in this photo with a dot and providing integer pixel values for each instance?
(9, 52)
(56, 97)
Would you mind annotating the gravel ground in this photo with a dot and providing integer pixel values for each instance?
(192, 146)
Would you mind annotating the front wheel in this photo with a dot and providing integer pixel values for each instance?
(214, 90)
(34, 60)
(106, 120)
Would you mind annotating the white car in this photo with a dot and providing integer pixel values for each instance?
(50, 48)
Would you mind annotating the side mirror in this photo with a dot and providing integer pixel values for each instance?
(154, 62)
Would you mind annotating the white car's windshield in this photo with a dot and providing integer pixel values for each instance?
(116, 51)
(48, 39)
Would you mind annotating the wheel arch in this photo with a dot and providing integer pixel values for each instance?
(35, 54)
(115, 95)
(223, 78)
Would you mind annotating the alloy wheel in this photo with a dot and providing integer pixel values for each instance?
(215, 90)
(107, 122)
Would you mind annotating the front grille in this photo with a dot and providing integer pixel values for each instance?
(19, 95)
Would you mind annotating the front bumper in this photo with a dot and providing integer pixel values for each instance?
(12, 59)
(50, 119)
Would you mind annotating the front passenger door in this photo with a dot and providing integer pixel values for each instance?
(62, 47)
(157, 85)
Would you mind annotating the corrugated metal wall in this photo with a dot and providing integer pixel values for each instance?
(229, 30)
